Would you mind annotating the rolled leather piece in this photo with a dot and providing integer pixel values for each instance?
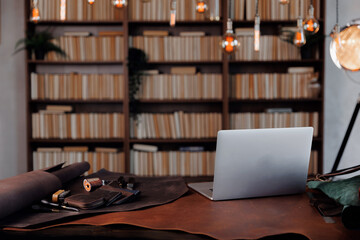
(23, 190)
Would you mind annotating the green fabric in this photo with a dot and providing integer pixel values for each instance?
(345, 192)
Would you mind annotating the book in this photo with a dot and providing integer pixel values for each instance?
(155, 33)
(49, 149)
(151, 71)
(63, 108)
(111, 33)
(183, 70)
(76, 149)
(278, 110)
(244, 31)
(145, 147)
(192, 34)
(192, 149)
(78, 34)
(103, 149)
(301, 70)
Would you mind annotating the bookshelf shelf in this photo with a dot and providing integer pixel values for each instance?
(172, 141)
(216, 67)
(76, 102)
(185, 62)
(178, 23)
(44, 62)
(82, 141)
(77, 23)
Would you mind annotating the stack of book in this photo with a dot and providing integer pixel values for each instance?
(179, 48)
(175, 126)
(181, 86)
(79, 10)
(275, 120)
(77, 86)
(108, 158)
(57, 124)
(91, 48)
(159, 10)
(272, 85)
(271, 49)
(172, 163)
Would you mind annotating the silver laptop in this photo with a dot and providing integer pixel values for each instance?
(259, 163)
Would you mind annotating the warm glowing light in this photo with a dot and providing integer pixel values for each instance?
(311, 25)
(119, 3)
(229, 43)
(201, 6)
(283, 2)
(91, 2)
(299, 37)
(35, 13)
(345, 48)
(172, 13)
(257, 33)
(63, 10)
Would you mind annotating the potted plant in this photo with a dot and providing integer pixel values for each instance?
(39, 44)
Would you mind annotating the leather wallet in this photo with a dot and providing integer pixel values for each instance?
(103, 196)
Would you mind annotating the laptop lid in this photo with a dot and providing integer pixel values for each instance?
(261, 162)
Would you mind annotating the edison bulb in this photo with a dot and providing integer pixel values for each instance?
(299, 37)
(284, 2)
(119, 3)
(347, 48)
(229, 42)
(311, 25)
(91, 2)
(172, 13)
(35, 13)
(201, 6)
(257, 33)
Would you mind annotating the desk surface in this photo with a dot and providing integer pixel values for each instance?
(237, 219)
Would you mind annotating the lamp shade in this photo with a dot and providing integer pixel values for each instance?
(345, 49)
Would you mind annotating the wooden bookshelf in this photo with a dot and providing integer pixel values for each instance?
(227, 66)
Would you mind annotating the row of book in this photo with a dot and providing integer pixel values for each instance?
(79, 10)
(272, 9)
(112, 161)
(271, 48)
(159, 10)
(49, 124)
(172, 163)
(179, 48)
(77, 86)
(275, 120)
(181, 86)
(89, 48)
(175, 125)
(274, 86)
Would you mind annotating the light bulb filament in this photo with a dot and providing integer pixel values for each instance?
(91, 2)
(63, 10)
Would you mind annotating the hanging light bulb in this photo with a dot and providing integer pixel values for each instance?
(229, 42)
(284, 2)
(345, 47)
(91, 2)
(201, 6)
(311, 25)
(299, 37)
(257, 33)
(35, 13)
(119, 3)
(172, 13)
(63, 10)
(257, 28)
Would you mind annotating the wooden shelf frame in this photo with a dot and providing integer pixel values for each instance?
(226, 66)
